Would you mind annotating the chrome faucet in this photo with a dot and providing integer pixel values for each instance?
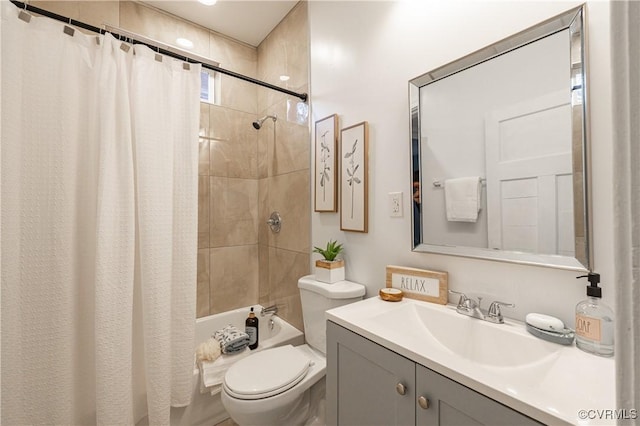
(471, 308)
(467, 306)
(269, 310)
(494, 314)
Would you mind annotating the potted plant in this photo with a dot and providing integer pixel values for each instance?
(330, 269)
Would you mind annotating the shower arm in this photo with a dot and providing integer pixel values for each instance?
(159, 47)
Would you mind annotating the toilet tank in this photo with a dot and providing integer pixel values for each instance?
(317, 298)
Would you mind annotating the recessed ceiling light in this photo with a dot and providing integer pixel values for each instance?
(184, 42)
(284, 77)
(208, 2)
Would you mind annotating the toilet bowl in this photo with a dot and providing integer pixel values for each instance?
(272, 387)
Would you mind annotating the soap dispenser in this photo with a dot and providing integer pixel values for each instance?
(594, 320)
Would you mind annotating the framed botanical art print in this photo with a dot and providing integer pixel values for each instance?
(354, 187)
(326, 165)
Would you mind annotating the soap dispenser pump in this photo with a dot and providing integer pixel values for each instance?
(594, 320)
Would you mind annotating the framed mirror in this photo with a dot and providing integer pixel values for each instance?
(499, 150)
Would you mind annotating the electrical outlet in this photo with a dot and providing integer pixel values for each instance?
(395, 204)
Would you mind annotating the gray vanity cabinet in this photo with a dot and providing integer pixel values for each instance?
(449, 403)
(368, 384)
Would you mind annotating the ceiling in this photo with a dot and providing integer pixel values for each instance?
(249, 21)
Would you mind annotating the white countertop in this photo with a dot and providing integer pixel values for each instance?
(568, 385)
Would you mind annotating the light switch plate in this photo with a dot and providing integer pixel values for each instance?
(395, 204)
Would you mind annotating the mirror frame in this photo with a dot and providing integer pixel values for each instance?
(573, 20)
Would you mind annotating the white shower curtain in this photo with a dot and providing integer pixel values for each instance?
(99, 223)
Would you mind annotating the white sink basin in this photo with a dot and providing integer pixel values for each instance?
(546, 381)
(498, 345)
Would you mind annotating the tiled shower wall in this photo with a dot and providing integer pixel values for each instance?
(283, 167)
(251, 173)
(244, 174)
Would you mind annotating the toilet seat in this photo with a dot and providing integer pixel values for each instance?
(266, 373)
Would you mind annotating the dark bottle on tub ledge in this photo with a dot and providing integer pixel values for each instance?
(251, 328)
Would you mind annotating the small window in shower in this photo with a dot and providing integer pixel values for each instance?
(209, 86)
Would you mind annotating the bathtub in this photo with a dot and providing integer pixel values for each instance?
(207, 409)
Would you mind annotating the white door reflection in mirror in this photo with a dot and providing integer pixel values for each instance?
(453, 128)
(529, 179)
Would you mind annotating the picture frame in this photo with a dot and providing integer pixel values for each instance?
(326, 165)
(354, 182)
(421, 284)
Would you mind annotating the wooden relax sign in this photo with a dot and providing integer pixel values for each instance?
(421, 284)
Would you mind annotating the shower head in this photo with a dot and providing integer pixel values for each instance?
(258, 123)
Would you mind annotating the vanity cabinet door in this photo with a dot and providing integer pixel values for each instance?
(450, 403)
(367, 384)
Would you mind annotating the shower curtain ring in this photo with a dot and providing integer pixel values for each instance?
(24, 14)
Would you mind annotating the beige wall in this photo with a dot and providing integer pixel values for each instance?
(283, 167)
(244, 174)
(412, 39)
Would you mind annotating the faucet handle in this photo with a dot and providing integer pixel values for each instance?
(494, 314)
(463, 297)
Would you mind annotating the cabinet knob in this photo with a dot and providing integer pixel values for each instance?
(423, 402)
(401, 389)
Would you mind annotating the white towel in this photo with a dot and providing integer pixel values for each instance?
(231, 339)
(212, 372)
(463, 199)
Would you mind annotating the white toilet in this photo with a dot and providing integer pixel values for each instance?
(272, 387)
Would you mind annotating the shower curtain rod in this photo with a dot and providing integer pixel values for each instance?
(159, 49)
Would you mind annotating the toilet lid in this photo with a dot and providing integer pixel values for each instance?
(266, 373)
